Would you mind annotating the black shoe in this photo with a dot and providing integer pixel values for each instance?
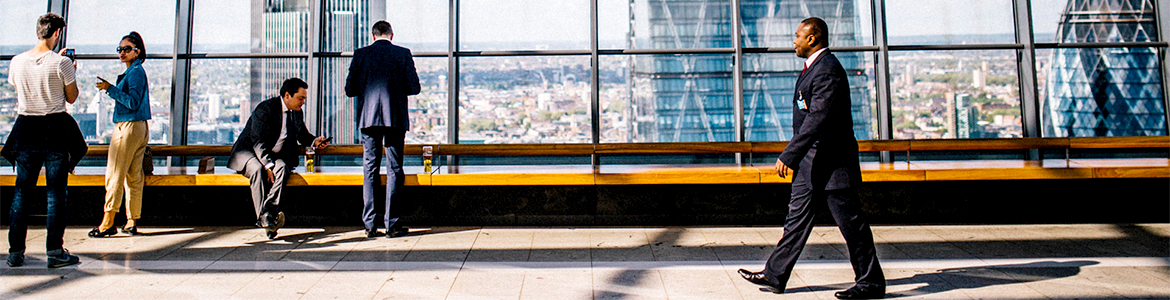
(858, 292)
(96, 233)
(397, 232)
(271, 233)
(61, 257)
(759, 279)
(132, 230)
(279, 219)
(16, 259)
(373, 233)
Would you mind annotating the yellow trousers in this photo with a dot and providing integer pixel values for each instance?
(124, 167)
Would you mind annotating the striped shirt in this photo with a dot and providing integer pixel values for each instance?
(40, 82)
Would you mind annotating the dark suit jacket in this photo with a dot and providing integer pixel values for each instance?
(823, 138)
(381, 76)
(261, 133)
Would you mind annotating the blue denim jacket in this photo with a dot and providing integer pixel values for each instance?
(131, 95)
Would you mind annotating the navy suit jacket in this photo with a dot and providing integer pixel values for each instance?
(381, 76)
(823, 143)
(262, 131)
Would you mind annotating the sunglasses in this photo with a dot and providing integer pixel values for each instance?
(125, 49)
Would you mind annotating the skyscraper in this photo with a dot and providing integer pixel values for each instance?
(1105, 91)
(278, 26)
(692, 95)
(347, 27)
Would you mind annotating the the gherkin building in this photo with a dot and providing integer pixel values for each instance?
(1105, 91)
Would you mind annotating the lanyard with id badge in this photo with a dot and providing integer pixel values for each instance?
(800, 102)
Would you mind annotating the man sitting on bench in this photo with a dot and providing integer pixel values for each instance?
(267, 151)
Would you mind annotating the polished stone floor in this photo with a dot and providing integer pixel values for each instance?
(1094, 261)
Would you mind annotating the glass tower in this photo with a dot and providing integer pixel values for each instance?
(692, 95)
(1105, 91)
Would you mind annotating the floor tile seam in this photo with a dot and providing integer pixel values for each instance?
(1095, 285)
(383, 286)
(322, 277)
(727, 272)
(460, 271)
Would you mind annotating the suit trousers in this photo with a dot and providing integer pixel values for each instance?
(124, 168)
(846, 210)
(265, 195)
(374, 141)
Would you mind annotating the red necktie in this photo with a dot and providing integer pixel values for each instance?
(805, 69)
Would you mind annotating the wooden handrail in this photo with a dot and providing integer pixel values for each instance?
(1150, 142)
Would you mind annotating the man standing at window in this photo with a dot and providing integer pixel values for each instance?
(823, 155)
(381, 76)
(267, 150)
(44, 135)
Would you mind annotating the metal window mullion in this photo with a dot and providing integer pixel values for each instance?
(594, 84)
(1026, 64)
(1164, 26)
(453, 73)
(315, 20)
(181, 75)
(61, 8)
(882, 82)
(737, 74)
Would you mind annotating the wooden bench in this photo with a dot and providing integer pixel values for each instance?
(603, 174)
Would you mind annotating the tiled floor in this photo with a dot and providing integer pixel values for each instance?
(937, 262)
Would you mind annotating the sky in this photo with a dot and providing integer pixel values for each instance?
(425, 21)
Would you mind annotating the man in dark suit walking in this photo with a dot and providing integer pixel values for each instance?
(267, 150)
(823, 156)
(381, 76)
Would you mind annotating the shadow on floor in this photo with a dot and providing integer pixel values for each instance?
(976, 277)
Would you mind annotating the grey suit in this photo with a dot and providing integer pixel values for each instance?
(823, 154)
(253, 150)
(381, 77)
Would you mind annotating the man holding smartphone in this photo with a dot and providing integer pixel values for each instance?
(267, 150)
(44, 135)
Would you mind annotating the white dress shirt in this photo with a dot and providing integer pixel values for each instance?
(283, 127)
(813, 58)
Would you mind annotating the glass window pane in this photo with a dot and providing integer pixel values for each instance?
(1100, 92)
(227, 26)
(224, 91)
(955, 94)
(7, 102)
(667, 98)
(524, 99)
(94, 110)
(96, 27)
(933, 22)
(19, 20)
(654, 24)
(773, 23)
(428, 109)
(523, 25)
(769, 83)
(1072, 21)
(421, 25)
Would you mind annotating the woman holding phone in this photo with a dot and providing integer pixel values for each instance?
(131, 96)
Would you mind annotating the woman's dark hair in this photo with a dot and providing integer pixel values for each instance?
(136, 39)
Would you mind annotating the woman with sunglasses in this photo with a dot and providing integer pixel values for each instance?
(128, 144)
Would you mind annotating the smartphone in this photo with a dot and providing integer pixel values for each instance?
(70, 54)
(327, 140)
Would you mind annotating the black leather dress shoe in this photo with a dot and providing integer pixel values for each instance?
(759, 279)
(397, 232)
(372, 233)
(858, 292)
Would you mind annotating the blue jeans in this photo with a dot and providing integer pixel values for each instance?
(28, 168)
